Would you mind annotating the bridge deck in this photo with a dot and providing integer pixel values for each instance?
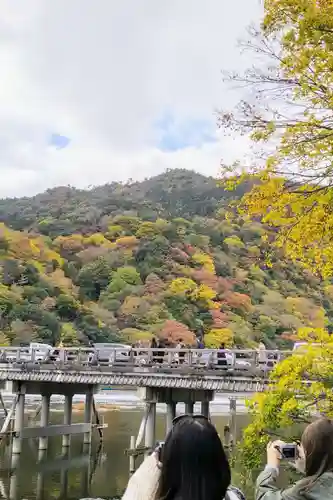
(235, 371)
(208, 381)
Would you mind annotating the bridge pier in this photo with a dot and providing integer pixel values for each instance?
(66, 438)
(150, 432)
(189, 408)
(205, 409)
(19, 420)
(43, 431)
(232, 420)
(152, 395)
(13, 486)
(170, 415)
(40, 486)
(88, 411)
(44, 420)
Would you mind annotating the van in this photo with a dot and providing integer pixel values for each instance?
(38, 351)
(104, 352)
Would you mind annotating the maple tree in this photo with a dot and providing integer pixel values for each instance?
(173, 331)
(289, 399)
(292, 118)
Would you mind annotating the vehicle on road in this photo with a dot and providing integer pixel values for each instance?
(112, 352)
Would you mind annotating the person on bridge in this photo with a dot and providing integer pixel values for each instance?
(221, 356)
(191, 465)
(154, 345)
(315, 459)
(262, 356)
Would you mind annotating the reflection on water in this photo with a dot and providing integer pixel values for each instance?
(80, 474)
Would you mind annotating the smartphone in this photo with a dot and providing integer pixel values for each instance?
(288, 451)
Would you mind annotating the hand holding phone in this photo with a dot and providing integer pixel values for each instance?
(288, 451)
(279, 450)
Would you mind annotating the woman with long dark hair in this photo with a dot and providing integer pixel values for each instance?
(191, 465)
(315, 459)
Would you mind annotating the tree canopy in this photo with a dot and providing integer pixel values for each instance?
(301, 387)
(290, 122)
(291, 118)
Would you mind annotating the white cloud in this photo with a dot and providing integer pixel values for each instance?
(102, 72)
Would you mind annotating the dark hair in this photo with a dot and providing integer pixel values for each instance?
(194, 464)
(317, 441)
(153, 342)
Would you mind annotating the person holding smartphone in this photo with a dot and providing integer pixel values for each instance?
(313, 456)
(190, 465)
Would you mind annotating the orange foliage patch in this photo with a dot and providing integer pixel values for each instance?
(173, 332)
(220, 319)
(237, 300)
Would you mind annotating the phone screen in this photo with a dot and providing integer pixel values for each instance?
(289, 451)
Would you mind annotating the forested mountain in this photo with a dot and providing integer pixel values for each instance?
(66, 210)
(162, 257)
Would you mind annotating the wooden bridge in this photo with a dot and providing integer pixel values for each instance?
(161, 375)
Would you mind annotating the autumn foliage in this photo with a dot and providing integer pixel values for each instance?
(134, 276)
(173, 332)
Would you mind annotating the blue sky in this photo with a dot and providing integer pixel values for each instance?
(59, 141)
(175, 134)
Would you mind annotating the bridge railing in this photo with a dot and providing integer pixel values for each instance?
(239, 360)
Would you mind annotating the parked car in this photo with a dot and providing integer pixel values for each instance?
(106, 351)
(38, 351)
(207, 357)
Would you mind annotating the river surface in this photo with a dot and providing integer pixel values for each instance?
(105, 471)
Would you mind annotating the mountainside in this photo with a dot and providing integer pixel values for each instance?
(161, 257)
(65, 210)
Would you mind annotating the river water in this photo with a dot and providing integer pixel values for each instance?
(105, 472)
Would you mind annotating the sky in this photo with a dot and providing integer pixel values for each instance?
(95, 91)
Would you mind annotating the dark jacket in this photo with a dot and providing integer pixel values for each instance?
(305, 489)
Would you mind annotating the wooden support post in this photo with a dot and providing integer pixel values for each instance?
(150, 427)
(44, 420)
(97, 419)
(189, 406)
(88, 415)
(132, 457)
(66, 438)
(19, 422)
(33, 416)
(42, 454)
(142, 428)
(40, 485)
(63, 483)
(226, 436)
(205, 409)
(85, 481)
(170, 415)
(232, 424)
(15, 461)
(3, 405)
(7, 421)
(13, 486)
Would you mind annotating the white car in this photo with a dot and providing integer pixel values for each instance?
(207, 357)
(106, 351)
